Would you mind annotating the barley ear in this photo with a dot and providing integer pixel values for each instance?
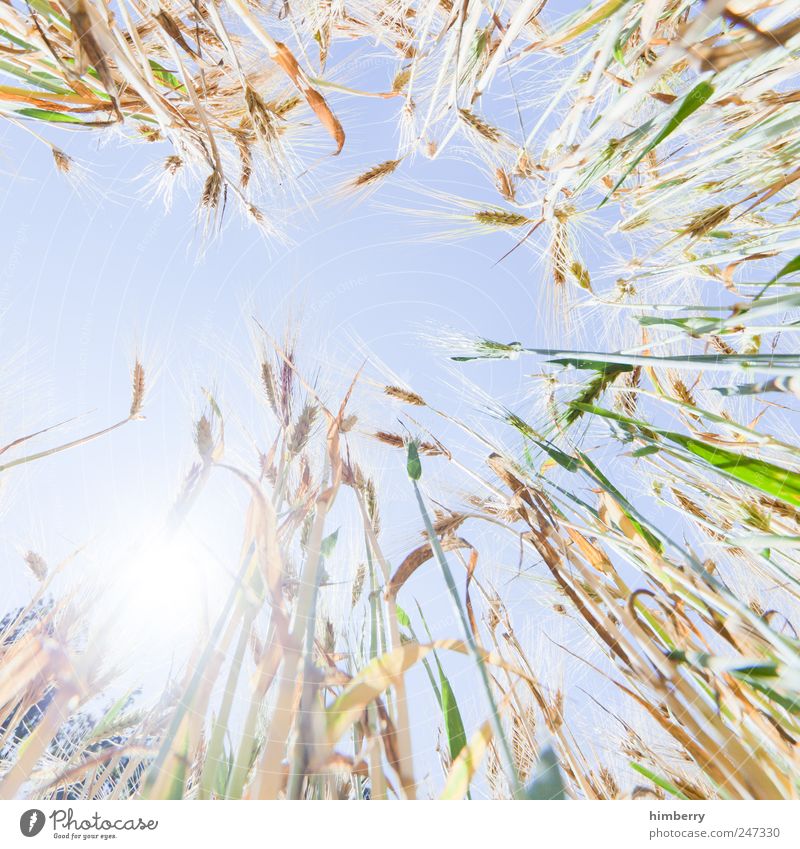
(137, 395)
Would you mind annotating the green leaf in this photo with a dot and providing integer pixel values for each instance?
(111, 715)
(47, 115)
(40, 79)
(222, 775)
(466, 764)
(166, 77)
(776, 363)
(453, 724)
(792, 265)
(547, 783)
(413, 464)
(402, 617)
(759, 474)
(16, 40)
(650, 538)
(593, 365)
(328, 544)
(690, 103)
(476, 48)
(44, 8)
(658, 781)
(790, 704)
(566, 461)
(769, 478)
(594, 17)
(695, 325)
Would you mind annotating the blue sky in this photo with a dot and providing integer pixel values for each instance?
(92, 275)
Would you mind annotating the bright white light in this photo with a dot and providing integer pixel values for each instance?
(161, 601)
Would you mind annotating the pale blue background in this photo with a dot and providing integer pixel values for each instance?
(90, 277)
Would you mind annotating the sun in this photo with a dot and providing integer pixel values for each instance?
(161, 601)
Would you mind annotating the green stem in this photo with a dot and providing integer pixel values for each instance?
(215, 746)
(506, 757)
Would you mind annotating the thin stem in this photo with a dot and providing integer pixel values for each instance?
(506, 757)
